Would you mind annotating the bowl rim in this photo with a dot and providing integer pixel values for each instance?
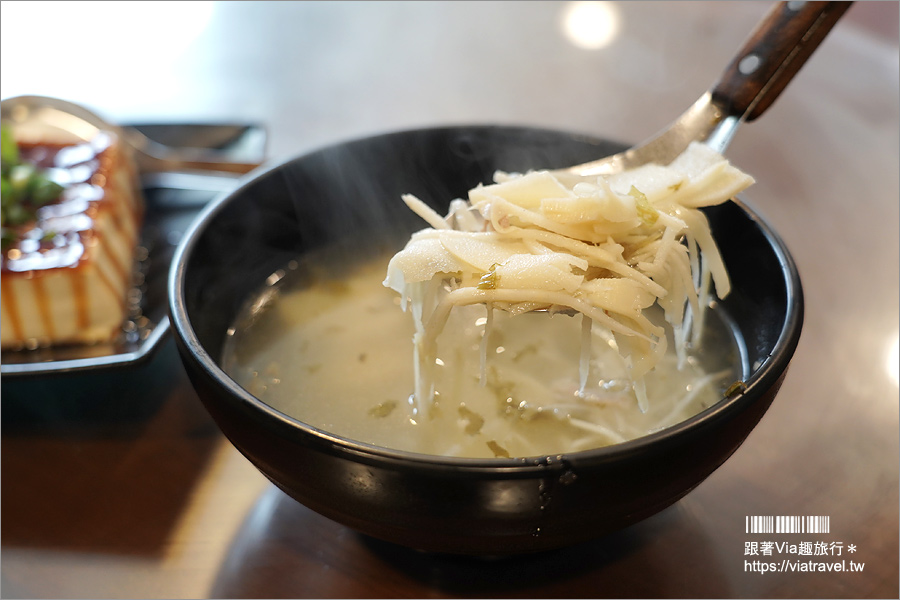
(760, 380)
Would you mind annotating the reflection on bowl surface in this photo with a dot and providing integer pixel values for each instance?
(348, 195)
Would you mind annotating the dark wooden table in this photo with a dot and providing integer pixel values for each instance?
(118, 484)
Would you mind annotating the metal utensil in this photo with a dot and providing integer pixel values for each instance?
(68, 118)
(774, 52)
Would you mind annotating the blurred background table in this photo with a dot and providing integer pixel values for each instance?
(138, 495)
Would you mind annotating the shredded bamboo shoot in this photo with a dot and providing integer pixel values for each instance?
(608, 247)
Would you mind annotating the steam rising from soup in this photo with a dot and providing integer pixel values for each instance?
(491, 363)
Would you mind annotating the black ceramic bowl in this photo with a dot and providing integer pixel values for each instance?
(351, 193)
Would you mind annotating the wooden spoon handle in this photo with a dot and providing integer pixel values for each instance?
(773, 54)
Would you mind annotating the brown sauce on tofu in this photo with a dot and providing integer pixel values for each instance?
(97, 183)
(63, 230)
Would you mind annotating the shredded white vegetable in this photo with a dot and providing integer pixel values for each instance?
(608, 247)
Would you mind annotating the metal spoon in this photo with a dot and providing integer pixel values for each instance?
(776, 49)
(41, 113)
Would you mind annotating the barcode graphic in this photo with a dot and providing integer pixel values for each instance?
(788, 524)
